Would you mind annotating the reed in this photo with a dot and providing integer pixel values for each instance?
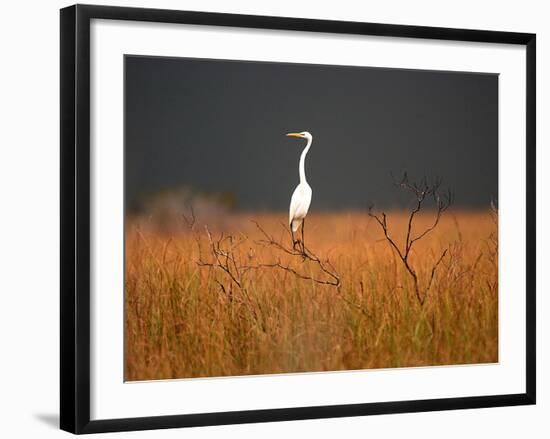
(185, 315)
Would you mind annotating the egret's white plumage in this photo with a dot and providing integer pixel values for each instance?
(301, 198)
(299, 205)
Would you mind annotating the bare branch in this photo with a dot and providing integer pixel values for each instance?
(421, 191)
(382, 221)
(303, 253)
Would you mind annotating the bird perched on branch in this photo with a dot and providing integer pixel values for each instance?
(301, 198)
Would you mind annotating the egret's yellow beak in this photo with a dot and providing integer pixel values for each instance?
(294, 135)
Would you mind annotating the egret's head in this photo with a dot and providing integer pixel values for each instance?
(303, 134)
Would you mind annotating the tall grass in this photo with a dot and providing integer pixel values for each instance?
(187, 320)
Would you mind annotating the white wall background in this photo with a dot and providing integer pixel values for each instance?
(29, 200)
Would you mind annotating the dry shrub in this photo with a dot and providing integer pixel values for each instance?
(187, 316)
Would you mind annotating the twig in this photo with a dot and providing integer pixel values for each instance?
(305, 254)
(421, 191)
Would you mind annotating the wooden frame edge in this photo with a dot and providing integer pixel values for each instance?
(75, 219)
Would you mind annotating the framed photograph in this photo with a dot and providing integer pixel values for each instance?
(268, 218)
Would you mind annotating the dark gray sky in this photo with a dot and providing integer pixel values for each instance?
(219, 126)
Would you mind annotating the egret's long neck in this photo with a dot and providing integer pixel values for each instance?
(303, 161)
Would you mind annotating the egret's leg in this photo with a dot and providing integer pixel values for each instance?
(292, 234)
(303, 242)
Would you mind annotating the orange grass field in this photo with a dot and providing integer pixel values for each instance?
(185, 316)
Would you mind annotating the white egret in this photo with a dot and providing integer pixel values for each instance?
(301, 198)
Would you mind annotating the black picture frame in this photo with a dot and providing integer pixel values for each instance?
(75, 217)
